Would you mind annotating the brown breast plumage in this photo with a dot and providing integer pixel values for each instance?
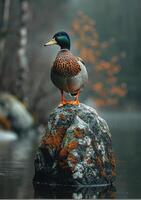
(66, 64)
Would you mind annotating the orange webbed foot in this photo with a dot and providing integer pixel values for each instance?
(76, 103)
(72, 102)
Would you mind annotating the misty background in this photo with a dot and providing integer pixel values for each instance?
(25, 64)
(116, 21)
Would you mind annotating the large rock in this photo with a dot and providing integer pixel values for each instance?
(13, 114)
(76, 149)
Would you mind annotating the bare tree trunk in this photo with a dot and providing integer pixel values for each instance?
(4, 18)
(23, 67)
(10, 45)
(13, 42)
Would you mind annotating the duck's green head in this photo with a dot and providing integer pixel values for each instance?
(62, 39)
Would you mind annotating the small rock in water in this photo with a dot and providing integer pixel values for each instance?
(14, 115)
(76, 149)
(7, 136)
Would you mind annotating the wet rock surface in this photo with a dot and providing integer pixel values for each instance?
(76, 149)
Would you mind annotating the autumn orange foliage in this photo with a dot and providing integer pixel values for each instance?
(104, 81)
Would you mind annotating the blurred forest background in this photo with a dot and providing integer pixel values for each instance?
(105, 34)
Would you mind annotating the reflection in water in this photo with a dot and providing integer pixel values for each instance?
(16, 167)
(68, 192)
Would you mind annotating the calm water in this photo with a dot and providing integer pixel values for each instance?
(17, 169)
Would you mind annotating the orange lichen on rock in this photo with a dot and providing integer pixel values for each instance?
(54, 140)
(48, 140)
(78, 133)
(72, 145)
(62, 117)
(61, 130)
(99, 161)
(63, 152)
(63, 164)
(102, 173)
(89, 161)
(113, 160)
(72, 158)
(113, 173)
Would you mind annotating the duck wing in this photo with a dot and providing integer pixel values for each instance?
(77, 82)
(71, 84)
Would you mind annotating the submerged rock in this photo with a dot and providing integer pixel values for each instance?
(76, 149)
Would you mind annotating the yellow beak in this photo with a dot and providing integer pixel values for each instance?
(51, 42)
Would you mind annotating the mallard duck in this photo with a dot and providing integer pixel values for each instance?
(68, 72)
